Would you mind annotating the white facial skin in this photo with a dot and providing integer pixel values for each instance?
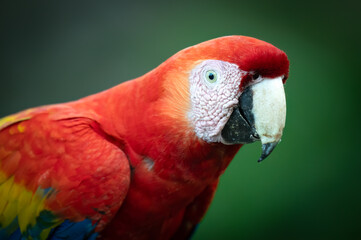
(214, 90)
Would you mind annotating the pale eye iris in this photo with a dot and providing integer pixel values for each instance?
(211, 76)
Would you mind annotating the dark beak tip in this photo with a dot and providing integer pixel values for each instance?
(267, 149)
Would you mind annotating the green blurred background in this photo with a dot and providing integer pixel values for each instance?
(309, 188)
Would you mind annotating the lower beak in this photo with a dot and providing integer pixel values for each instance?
(260, 115)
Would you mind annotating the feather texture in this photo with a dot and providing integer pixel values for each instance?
(125, 163)
(50, 180)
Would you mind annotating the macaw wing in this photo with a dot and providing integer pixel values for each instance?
(61, 176)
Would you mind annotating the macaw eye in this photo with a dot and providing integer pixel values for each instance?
(211, 76)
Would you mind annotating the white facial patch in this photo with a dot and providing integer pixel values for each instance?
(214, 90)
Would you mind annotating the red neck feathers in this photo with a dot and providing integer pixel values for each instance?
(149, 114)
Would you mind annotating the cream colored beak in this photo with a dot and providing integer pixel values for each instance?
(269, 110)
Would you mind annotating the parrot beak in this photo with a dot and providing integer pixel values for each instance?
(260, 115)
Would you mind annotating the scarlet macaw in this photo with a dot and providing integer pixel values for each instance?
(141, 160)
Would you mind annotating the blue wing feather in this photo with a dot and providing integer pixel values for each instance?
(74, 230)
(66, 230)
(11, 232)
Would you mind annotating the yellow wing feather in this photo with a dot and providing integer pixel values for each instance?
(17, 201)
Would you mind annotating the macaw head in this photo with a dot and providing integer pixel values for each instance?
(230, 90)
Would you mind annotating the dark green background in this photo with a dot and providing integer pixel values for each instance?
(309, 188)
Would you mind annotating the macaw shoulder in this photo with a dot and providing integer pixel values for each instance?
(59, 163)
(52, 112)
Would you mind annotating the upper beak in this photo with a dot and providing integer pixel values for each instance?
(260, 115)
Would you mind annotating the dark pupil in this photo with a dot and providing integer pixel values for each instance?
(211, 76)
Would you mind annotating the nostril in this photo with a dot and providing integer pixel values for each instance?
(255, 76)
